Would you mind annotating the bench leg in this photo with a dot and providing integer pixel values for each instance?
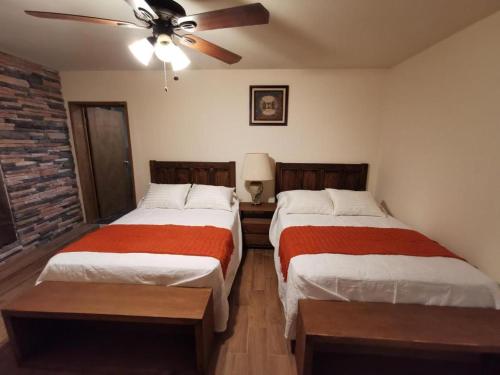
(15, 333)
(204, 334)
(26, 335)
(303, 350)
(293, 344)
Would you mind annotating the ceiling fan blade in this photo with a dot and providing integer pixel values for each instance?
(140, 6)
(245, 15)
(74, 17)
(203, 46)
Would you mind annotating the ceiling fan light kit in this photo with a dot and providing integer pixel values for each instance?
(164, 48)
(169, 24)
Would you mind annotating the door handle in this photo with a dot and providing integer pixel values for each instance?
(126, 162)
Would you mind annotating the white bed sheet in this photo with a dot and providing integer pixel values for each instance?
(159, 269)
(375, 278)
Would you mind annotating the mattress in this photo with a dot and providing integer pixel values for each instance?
(375, 278)
(158, 269)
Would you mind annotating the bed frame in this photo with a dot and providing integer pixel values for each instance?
(193, 172)
(314, 176)
(190, 310)
(317, 332)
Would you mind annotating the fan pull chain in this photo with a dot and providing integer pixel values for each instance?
(165, 75)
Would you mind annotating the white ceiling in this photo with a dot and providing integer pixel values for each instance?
(301, 33)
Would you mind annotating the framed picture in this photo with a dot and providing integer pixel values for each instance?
(268, 105)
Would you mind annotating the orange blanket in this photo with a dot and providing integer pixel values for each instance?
(159, 239)
(356, 241)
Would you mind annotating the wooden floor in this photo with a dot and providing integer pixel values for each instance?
(252, 344)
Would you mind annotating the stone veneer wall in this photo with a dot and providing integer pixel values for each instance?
(35, 154)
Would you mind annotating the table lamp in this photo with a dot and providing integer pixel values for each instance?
(256, 168)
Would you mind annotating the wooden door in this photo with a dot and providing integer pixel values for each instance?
(109, 149)
(103, 151)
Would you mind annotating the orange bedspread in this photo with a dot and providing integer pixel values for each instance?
(355, 241)
(159, 239)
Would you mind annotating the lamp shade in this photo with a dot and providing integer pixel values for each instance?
(142, 50)
(179, 60)
(256, 167)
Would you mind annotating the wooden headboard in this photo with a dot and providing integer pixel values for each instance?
(308, 176)
(195, 172)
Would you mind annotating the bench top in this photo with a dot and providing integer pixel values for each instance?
(402, 325)
(112, 302)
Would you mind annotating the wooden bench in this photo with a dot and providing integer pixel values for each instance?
(45, 310)
(396, 334)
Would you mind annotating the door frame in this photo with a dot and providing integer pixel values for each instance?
(81, 144)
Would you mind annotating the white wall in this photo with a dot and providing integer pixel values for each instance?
(333, 116)
(440, 143)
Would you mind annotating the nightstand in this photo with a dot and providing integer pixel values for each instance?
(255, 223)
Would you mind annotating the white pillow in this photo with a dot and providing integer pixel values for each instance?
(165, 196)
(209, 196)
(354, 203)
(305, 202)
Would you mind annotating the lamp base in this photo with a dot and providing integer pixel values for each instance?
(256, 188)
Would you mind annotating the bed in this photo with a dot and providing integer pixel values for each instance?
(165, 269)
(367, 278)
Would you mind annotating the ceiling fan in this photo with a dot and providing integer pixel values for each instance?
(171, 26)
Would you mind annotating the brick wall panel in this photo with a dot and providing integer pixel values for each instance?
(35, 153)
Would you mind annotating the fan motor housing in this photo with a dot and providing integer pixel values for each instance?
(166, 9)
(163, 28)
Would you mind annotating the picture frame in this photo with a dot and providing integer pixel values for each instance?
(269, 105)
